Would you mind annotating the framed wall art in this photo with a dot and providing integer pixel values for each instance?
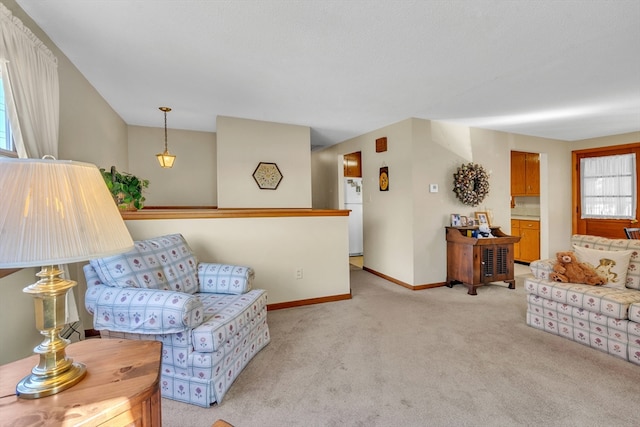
(384, 178)
(267, 176)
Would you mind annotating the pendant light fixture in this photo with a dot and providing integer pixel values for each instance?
(165, 159)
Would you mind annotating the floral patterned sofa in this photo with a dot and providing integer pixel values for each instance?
(210, 321)
(603, 317)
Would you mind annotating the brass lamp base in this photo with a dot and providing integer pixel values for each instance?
(36, 386)
(55, 371)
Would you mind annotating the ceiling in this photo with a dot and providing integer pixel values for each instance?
(566, 70)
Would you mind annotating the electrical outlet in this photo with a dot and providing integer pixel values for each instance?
(299, 273)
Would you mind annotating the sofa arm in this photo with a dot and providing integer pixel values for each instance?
(224, 279)
(542, 268)
(142, 311)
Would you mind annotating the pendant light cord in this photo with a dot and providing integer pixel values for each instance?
(165, 130)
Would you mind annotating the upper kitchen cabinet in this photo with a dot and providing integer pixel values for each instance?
(525, 174)
(353, 165)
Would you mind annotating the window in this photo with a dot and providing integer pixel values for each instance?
(7, 148)
(608, 187)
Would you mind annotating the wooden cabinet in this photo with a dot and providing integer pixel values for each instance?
(525, 174)
(529, 240)
(122, 388)
(353, 165)
(528, 249)
(476, 261)
(515, 231)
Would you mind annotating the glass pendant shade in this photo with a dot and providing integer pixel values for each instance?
(165, 159)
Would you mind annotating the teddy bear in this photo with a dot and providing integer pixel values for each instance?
(569, 269)
(484, 231)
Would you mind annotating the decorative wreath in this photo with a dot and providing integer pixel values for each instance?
(471, 184)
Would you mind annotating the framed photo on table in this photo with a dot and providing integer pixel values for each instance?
(464, 221)
(482, 218)
(455, 220)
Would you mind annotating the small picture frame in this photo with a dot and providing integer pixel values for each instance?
(471, 222)
(455, 220)
(482, 218)
(464, 221)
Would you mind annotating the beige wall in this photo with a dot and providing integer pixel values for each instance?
(397, 203)
(242, 144)
(90, 130)
(626, 138)
(274, 247)
(192, 181)
(19, 334)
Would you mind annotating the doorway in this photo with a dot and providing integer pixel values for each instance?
(352, 199)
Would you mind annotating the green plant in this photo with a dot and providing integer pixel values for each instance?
(126, 188)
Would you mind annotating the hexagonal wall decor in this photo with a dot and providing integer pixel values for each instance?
(267, 176)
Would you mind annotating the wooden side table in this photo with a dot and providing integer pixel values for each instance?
(121, 388)
(475, 261)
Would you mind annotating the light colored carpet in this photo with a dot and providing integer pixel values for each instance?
(436, 357)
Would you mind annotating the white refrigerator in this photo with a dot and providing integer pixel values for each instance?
(353, 202)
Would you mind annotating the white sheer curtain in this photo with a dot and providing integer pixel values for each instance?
(32, 93)
(608, 186)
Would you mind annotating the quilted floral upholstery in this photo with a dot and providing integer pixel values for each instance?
(165, 262)
(611, 302)
(194, 375)
(604, 318)
(208, 335)
(224, 279)
(144, 311)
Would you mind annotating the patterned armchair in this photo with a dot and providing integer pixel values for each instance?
(210, 321)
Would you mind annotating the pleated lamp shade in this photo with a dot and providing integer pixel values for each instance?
(56, 212)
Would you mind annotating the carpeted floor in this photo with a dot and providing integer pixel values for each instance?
(436, 357)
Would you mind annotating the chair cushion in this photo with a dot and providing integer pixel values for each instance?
(165, 262)
(224, 279)
(225, 316)
(611, 265)
(611, 302)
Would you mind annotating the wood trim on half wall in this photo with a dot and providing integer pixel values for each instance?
(310, 301)
(403, 284)
(7, 271)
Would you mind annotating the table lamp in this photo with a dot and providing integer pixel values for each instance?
(55, 212)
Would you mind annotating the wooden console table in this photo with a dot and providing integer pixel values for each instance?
(122, 388)
(477, 261)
